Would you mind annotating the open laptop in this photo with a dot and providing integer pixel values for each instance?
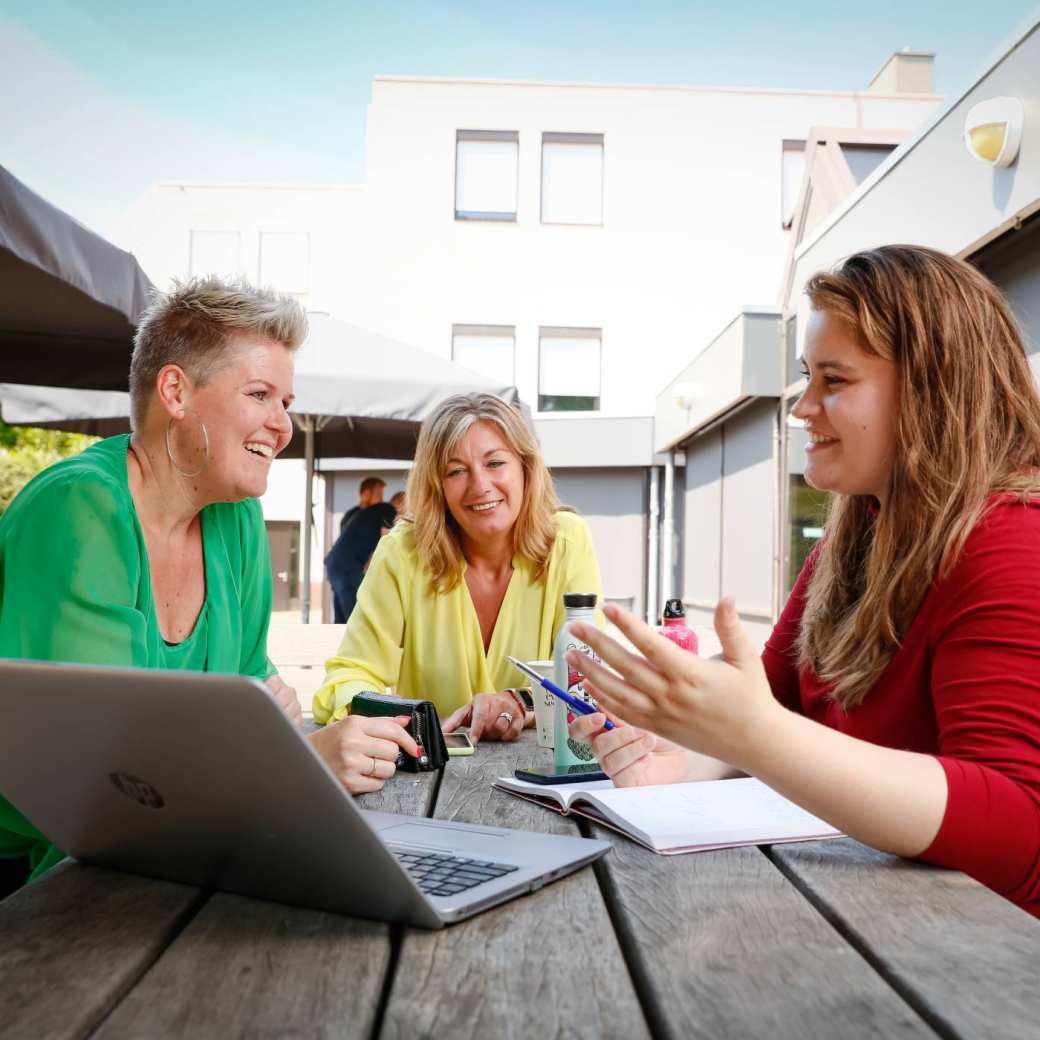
(200, 778)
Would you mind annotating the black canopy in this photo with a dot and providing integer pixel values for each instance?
(69, 299)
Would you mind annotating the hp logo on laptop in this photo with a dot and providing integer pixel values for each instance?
(139, 790)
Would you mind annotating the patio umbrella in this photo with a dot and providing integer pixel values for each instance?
(358, 394)
(69, 299)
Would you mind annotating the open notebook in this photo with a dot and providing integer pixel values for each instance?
(674, 818)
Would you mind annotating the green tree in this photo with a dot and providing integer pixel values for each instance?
(24, 452)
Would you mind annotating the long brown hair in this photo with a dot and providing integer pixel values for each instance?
(434, 529)
(968, 425)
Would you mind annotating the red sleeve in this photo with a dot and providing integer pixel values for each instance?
(779, 656)
(985, 687)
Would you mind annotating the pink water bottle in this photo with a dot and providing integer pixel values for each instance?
(674, 627)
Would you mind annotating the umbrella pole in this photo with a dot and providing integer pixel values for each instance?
(308, 517)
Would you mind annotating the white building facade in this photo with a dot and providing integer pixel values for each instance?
(587, 240)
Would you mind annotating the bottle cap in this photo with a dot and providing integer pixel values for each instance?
(673, 608)
(579, 599)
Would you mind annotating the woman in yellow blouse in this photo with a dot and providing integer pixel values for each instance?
(476, 571)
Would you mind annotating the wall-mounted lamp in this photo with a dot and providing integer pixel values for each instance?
(993, 130)
(684, 395)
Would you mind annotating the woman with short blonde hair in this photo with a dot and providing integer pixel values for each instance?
(150, 550)
(474, 571)
(898, 697)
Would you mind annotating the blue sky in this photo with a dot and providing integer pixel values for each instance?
(110, 95)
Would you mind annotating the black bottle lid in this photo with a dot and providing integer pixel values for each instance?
(673, 608)
(579, 599)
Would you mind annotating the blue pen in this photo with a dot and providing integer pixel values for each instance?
(579, 706)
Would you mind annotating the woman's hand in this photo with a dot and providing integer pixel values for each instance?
(493, 716)
(362, 751)
(632, 757)
(722, 708)
(285, 697)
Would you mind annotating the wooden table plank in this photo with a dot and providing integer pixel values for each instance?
(547, 964)
(964, 956)
(72, 943)
(247, 967)
(722, 945)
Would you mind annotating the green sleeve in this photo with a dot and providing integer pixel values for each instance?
(369, 658)
(71, 571)
(257, 592)
(70, 567)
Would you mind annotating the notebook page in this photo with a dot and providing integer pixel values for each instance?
(710, 812)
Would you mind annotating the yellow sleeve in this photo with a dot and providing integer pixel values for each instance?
(369, 658)
(580, 568)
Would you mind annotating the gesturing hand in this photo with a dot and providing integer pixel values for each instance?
(493, 716)
(721, 708)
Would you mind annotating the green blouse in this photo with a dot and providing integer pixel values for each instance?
(75, 586)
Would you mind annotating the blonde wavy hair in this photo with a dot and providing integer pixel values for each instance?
(968, 426)
(435, 532)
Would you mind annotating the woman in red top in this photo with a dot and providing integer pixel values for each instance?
(898, 697)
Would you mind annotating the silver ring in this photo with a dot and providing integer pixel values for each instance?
(507, 716)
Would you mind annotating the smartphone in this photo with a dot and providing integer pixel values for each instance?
(458, 743)
(561, 774)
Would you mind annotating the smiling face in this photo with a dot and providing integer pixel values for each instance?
(483, 485)
(850, 407)
(243, 405)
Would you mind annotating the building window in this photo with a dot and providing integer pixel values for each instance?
(864, 159)
(792, 371)
(792, 167)
(572, 178)
(285, 260)
(215, 252)
(569, 370)
(487, 349)
(486, 174)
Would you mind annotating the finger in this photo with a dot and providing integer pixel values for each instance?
(515, 728)
(635, 669)
(478, 722)
(618, 691)
(362, 784)
(633, 705)
(456, 718)
(610, 741)
(625, 757)
(382, 769)
(376, 747)
(654, 647)
(497, 728)
(737, 648)
(585, 727)
(392, 730)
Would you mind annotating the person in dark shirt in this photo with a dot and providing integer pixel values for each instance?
(346, 562)
(370, 491)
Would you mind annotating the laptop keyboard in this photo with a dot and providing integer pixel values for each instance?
(441, 874)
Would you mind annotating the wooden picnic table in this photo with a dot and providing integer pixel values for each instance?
(822, 939)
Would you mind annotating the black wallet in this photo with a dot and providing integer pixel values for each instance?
(424, 727)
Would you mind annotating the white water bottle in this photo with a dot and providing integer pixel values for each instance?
(580, 606)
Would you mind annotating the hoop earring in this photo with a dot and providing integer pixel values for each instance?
(173, 461)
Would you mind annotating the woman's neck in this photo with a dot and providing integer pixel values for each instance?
(167, 503)
(492, 558)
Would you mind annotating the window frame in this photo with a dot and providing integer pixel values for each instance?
(561, 137)
(488, 216)
(569, 332)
